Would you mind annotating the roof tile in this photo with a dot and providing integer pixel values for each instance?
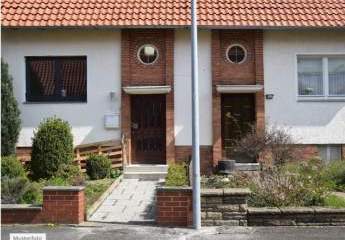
(239, 13)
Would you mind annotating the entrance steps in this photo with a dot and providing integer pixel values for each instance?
(145, 171)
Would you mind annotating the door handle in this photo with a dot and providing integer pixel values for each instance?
(135, 126)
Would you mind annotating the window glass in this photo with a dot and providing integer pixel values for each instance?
(56, 79)
(329, 153)
(336, 75)
(147, 54)
(310, 79)
(236, 54)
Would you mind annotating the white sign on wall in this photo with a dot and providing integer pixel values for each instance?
(112, 120)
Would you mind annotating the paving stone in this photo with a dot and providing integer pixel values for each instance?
(132, 200)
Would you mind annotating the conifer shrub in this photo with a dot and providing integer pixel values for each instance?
(52, 146)
(10, 121)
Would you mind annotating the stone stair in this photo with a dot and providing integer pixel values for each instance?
(145, 171)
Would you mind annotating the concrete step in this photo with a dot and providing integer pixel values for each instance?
(247, 166)
(145, 175)
(146, 168)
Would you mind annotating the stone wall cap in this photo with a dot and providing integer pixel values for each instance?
(21, 207)
(173, 189)
(329, 210)
(293, 210)
(64, 188)
(236, 191)
(211, 192)
(264, 210)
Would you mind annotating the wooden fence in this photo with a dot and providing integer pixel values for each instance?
(112, 149)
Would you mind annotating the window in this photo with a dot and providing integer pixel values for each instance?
(329, 153)
(236, 54)
(55, 79)
(147, 54)
(321, 76)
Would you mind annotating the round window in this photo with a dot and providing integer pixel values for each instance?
(236, 53)
(147, 54)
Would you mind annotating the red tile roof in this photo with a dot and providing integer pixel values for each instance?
(212, 13)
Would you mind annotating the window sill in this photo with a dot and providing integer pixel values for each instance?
(320, 99)
(52, 102)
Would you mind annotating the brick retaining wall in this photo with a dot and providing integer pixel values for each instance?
(60, 205)
(218, 206)
(229, 207)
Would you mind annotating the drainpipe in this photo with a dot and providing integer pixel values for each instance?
(195, 120)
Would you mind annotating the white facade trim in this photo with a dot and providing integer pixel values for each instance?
(147, 89)
(239, 88)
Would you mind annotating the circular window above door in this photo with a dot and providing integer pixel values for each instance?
(148, 54)
(236, 53)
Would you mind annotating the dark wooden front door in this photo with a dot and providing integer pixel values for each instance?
(148, 129)
(238, 114)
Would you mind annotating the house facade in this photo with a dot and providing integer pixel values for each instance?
(118, 70)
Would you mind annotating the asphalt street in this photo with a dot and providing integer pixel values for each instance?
(97, 231)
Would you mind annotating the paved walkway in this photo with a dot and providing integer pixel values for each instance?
(133, 201)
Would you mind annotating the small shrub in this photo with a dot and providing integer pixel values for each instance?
(10, 120)
(11, 167)
(234, 180)
(335, 171)
(98, 167)
(275, 145)
(301, 184)
(33, 194)
(71, 173)
(13, 189)
(115, 173)
(177, 175)
(334, 201)
(52, 146)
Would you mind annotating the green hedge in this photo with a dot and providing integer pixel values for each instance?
(177, 175)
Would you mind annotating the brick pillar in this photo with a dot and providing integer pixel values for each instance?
(63, 205)
(174, 206)
(169, 79)
(259, 77)
(216, 98)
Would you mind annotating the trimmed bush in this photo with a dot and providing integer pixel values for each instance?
(52, 146)
(177, 175)
(98, 167)
(11, 167)
(10, 121)
(71, 173)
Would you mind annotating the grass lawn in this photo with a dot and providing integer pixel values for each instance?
(95, 188)
(334, 201)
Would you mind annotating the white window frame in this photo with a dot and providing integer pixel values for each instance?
(326, 96)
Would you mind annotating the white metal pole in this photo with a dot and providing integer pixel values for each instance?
(195, 120)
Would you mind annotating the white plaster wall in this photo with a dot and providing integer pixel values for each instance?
(182, 91)
(308, 122)
(103, 75)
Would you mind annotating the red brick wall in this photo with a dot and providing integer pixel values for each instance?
(184, 153)
(174, 208)
(135, 73)
(223, 72)
(60, 205)
(228, 73)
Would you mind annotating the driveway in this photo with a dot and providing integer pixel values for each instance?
(97, 231)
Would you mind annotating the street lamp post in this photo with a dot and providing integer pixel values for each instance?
(195, 120)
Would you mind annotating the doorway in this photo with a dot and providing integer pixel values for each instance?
(148, 129)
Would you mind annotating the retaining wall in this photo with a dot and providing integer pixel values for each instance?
(296, 216)
(229, 207)
(64, 205)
